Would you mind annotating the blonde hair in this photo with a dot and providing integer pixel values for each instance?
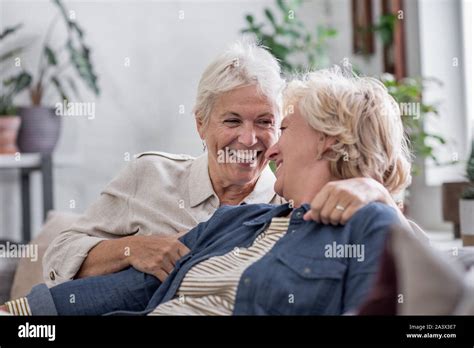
(364, 119)
(244, 63)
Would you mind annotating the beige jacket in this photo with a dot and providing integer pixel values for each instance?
(157, 193)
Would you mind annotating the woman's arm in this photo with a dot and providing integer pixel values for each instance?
(107, 219)
(350, 195)
(149, 254)
(104, 239)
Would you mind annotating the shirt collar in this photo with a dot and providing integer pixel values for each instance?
(200, 185)
(263, 191)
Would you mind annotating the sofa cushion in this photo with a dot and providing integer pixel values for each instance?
(28, 273)
(8, 266)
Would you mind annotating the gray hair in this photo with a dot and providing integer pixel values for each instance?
(244, 63)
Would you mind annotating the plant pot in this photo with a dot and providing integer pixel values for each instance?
(451, 193)
(466, 214)
(9, 126)
(39, 131)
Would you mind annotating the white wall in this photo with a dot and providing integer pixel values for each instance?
(138, 109)
(467, 10)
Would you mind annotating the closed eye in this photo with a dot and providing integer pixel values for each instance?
(266, 123)
(233, 121)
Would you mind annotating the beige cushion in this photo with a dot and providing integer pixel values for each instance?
(429, 282)
(28, 273)
(8, 266)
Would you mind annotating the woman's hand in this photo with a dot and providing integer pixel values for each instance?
(156, 255)
(339, 200)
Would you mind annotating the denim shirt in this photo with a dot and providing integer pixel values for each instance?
(305, 273)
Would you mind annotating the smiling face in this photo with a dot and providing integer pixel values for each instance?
(301, 170)
(240, 129)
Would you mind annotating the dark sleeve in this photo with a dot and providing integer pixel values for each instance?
(369, 230)
(192, 238)
(127, 290)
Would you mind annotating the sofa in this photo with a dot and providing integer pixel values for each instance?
(431, 280)
(19, 275)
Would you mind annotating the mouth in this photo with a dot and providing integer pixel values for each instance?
(245, 157)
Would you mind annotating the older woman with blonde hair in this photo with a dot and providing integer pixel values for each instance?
(267, 259)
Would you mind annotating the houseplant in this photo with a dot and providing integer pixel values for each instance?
(10, 87)
(295, 46)
(40, 126)
(466, 204)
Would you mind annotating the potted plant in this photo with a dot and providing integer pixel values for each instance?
(40, 125)
(9, 119)
(295, 46)
(10, 86)
(466, 204)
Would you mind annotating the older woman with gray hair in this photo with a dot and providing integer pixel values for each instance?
(140, 215)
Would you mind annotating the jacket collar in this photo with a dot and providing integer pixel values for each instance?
(279, 210)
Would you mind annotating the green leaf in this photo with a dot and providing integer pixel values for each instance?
(73, 86)
(270, 17)
(50, 56)
(293, 33)
(9, 31)
(6, 105)
(279, 51)
(272, 166)
(10, 54)
(330, 32)
(249, 19)
(63, 11)
(18, 83)
(283, 6)
(71, 24)
(59, 88)
(295, 3)
(77, 29)
(81, 61)
(438, 138)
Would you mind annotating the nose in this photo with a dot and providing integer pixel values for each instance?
(248, 136)
(272, 152)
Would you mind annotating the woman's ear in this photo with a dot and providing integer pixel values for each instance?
(328, 143)
(199, 125)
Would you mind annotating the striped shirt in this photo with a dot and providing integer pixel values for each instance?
(19, 306)
(210, 287)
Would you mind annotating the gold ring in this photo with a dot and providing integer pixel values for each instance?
(340, 207)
